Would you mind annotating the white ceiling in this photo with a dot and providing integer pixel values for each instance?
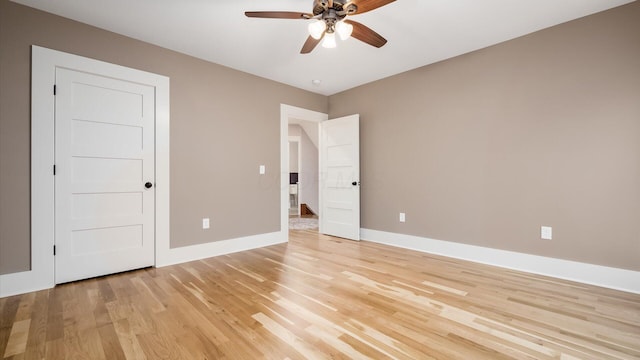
(419, 32)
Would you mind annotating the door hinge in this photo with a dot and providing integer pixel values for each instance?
(54, 89)
(54, 250)
(54, 170)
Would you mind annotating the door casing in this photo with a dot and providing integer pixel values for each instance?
(44, 63)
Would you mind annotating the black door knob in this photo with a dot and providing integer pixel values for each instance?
(148, 185)
(354, 183)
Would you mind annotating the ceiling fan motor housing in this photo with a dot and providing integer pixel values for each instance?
(342, 7)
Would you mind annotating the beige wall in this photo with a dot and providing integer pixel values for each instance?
(209, 116)
(309, 172)
(485, 148)
(481, 149)
(293, 156)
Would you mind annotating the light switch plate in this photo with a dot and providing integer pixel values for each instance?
(546, 232)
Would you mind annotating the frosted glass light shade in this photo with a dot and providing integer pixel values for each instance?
(329, 41)
(344, 30)
(317, 28)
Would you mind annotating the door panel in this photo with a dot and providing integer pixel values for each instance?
(104, 146)
(109, 239)
(94, 139)
(340, 169)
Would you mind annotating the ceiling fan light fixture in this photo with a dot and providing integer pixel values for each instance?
(328, 18)
(344, 30)
(317, 28)
(329, 41)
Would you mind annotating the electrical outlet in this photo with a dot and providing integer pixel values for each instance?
(262, 169)
(205, 223)
(402, 217)
(546, 232)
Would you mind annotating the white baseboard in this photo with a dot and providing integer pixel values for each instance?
(222, 247)
(24, 282)
(28, 281)
(613, 278)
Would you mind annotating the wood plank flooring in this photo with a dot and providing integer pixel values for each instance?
(319, 297)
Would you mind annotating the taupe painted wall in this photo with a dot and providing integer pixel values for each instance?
(485, 148)
(481, 149)
(309, 172)
(209, 116)
(293, 156)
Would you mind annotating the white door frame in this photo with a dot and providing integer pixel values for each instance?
(290, 112)
(44, 63)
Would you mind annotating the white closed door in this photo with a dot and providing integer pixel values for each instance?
(340, 177)
(104, 175)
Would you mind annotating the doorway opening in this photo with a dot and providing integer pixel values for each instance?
(338, 169)
(299, 168)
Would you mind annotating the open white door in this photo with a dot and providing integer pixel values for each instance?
(340, 177)
(104, 183)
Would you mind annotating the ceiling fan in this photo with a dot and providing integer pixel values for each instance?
(330, 18)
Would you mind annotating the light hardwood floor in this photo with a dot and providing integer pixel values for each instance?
(319, 297)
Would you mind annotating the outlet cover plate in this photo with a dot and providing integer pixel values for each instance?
(205, 223)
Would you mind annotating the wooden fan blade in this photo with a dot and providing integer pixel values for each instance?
(278, 15)
(368, 5)
(366, 35)
(310, 44)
